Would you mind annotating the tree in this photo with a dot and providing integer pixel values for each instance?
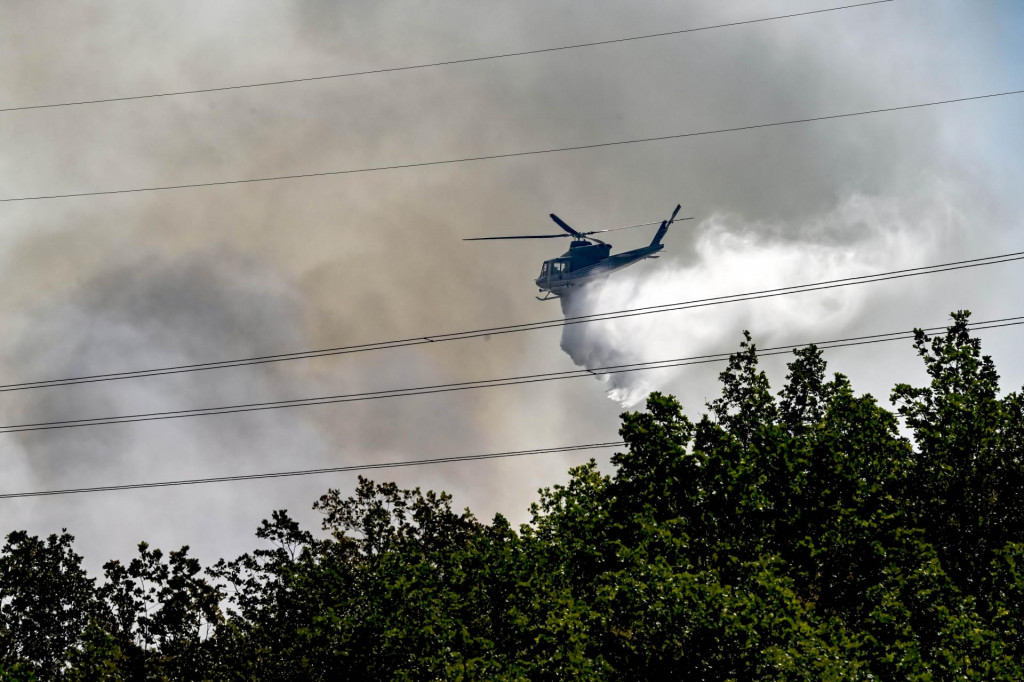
(787, 536)
(46, 601)
(157, 613)
(967, 480)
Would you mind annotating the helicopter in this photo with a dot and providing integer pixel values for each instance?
(588, 258)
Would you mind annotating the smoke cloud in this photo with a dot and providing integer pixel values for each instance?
(156, 278)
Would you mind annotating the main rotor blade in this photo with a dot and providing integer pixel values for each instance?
(565, 226)
(629, 227)
(520, 236)
(578, 234)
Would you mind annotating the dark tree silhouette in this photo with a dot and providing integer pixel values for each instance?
(789, 537)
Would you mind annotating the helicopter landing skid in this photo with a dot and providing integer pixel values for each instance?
(548, 297)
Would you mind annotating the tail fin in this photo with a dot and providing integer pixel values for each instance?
(660, 233)
(664, 227)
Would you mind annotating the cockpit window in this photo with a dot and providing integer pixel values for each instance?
(554, 267)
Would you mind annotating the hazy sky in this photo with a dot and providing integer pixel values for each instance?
(120, 282)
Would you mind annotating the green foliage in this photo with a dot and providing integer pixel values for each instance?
(156, 612)
(969, 469)
(45, 603)
(17, 672)
(789, 537)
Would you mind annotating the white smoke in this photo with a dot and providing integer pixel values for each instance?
(861, 235)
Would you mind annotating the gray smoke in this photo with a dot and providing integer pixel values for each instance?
(138, 280)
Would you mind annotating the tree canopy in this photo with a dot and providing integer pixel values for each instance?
(780, 536)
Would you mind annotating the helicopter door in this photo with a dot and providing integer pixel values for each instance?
(545, 271)
(559, 268)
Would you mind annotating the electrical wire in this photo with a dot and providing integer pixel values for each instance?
(429, 65)
(523, 327)
(469, 385)
(510, 155)
(311, 472)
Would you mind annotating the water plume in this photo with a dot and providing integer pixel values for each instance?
(860, 236)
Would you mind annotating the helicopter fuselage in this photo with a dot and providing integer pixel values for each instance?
(585, 262)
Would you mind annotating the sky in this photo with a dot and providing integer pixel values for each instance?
(131, 281)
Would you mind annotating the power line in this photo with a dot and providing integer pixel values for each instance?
(523, 327)
(311, 472)
(509, 155)
(428, 65)
(469, 385)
